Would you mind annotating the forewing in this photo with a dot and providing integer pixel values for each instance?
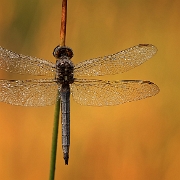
(107, 93)
(41, 92)
(116, 63)
(18, 63)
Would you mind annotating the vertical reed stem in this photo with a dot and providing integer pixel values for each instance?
(57, 107)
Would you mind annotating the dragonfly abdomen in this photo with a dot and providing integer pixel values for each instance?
(65, 120)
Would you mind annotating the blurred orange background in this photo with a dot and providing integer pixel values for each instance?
(134, 141)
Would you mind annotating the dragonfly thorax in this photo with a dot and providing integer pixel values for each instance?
(64, 66)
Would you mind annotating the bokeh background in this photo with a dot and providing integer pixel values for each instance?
(134, 141)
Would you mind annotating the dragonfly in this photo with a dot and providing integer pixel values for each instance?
(63, 80)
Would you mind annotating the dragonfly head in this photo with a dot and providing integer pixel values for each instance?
(61, 51)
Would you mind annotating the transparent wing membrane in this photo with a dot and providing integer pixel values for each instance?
(106, 93)
(41, 92)
(116, 63)
(18, 63)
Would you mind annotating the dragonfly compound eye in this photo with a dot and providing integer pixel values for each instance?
(60, 51)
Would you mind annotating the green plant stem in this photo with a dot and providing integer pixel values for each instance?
(57, 108)
(54, 141)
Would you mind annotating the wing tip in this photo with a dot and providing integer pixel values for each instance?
(155, 88)
(149, 46)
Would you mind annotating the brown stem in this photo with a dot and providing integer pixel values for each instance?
(63, 23)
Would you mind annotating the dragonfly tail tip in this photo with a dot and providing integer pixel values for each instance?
(66, 158)
(66, 162)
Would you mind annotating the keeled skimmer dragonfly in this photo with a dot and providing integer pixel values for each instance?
(63, 81)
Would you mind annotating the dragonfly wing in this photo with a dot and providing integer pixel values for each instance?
(40, 92)
(107, 93)
(18, 63)
(116, 63)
